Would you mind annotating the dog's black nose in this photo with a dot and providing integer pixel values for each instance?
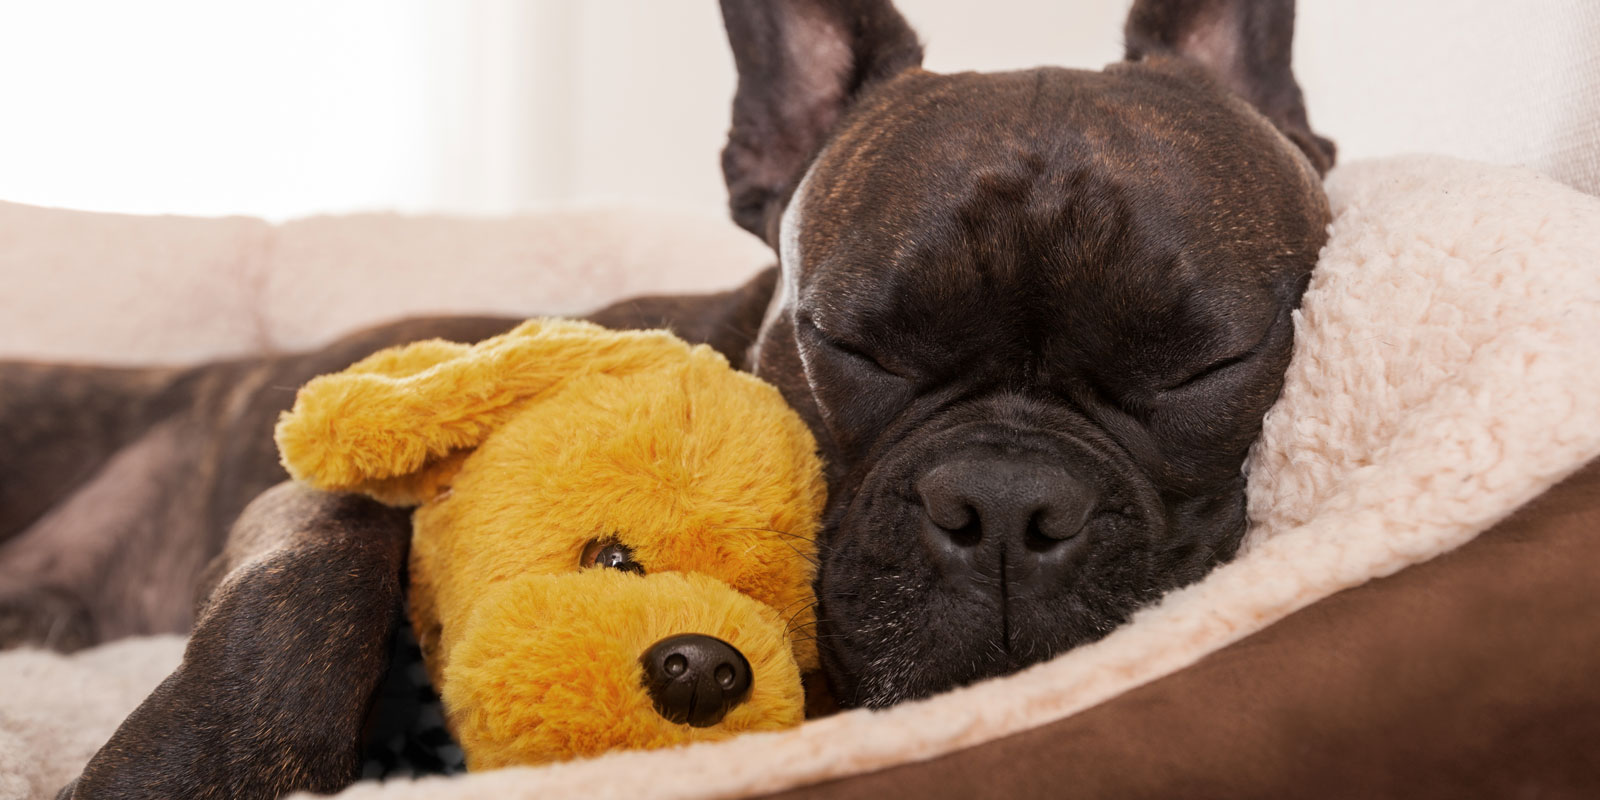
(985, 513)
(695, 678)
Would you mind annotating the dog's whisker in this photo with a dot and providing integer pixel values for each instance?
(817, 638)
(787, 534)
(808, 557)
(809, 601)
(757, 528)
(795, 615)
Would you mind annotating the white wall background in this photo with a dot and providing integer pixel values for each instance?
(294, 107)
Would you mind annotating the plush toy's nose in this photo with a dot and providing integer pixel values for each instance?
(695, 678)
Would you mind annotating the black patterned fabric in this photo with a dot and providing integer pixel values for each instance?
(406, 736)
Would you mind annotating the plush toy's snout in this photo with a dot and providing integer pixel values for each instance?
(695, 678)
(554, 666)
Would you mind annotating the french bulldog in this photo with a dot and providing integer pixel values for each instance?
(1034, 319)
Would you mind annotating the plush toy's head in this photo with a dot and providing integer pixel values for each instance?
(613, 544)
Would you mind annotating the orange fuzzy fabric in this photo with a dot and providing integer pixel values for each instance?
(526, 447)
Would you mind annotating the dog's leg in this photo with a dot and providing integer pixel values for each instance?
(291, 641)
(104, 497)
(84, 572)
(61, 423)
(89, 462)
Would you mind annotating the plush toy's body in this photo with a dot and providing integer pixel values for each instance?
(593, 505)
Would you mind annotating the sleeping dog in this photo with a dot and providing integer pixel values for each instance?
(1034, 319)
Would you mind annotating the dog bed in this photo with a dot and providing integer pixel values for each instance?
(1446, 373)
(129, 289)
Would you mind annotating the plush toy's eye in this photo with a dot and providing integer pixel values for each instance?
(611, 554)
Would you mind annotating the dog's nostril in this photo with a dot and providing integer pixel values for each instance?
(1050, 528)
(959, 522)
(946, 512)
(1035, 538)
(969, 534)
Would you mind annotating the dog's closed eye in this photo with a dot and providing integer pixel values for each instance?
(854, 353)
(1210, 371)
(1226, 364)
(859, 355)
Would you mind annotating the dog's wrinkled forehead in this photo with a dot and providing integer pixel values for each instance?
(1138, 175)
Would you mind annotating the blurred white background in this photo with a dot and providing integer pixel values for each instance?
(295, 107)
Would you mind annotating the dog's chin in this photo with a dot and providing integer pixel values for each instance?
(893, 626)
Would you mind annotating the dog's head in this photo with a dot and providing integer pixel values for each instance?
(1035, 318)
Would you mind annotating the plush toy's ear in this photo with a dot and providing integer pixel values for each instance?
(397, 424)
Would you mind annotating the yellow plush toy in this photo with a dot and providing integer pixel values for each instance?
(613, 541)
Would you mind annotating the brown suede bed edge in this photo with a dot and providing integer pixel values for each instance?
(1476, 674)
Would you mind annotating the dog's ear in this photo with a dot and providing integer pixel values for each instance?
(800, 63)
(1245, 45)
(397, 425)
